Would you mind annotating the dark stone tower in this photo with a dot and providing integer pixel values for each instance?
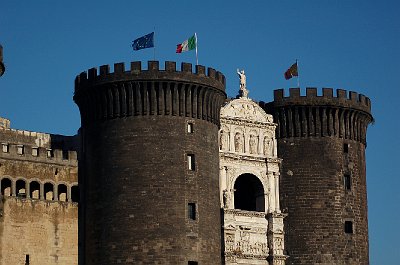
(149, 164)
(322, 141)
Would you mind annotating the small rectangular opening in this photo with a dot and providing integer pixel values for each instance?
(193, 263)
(26, 259)
(20, 149)
(347, 182)
(192, 211)
(346, 148)
(190, 127)
(5, 148)
(50, 153)
(348, 227)
(191, 162)
(35, 151)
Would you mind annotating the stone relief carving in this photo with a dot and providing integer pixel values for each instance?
(253, 142)
(239, 142)
(224, 141)
(246, 110)
(227, 198)
(268, 146)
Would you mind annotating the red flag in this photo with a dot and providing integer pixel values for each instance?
(292, 71)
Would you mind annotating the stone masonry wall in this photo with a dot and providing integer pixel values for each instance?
(46, 231)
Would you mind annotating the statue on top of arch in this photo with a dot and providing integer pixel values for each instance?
(243, 92)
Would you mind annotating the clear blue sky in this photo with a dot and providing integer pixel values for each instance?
(352, 45)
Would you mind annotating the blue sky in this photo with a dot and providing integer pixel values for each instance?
(352, 45)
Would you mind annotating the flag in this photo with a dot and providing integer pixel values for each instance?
(187, 45)
(292, 71)
(147, 41)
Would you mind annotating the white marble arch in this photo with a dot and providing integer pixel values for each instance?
(262, 180)
(252, 156)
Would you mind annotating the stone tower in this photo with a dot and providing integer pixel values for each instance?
(322, 141)
(149, 165)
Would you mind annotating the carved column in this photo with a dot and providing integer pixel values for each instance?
(232, 139)
(260, 143)
(277, 206)
(276, 242)
(271, 192)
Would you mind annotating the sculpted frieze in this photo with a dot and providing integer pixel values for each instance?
(245, 109)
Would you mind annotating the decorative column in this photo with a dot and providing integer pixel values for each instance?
(276, 242)
(277, 206)
(271, 192)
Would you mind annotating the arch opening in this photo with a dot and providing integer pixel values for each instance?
(21, 188)
(249, 193)
(62, 192)
(6, 187)
(34, 188)
(48, 191)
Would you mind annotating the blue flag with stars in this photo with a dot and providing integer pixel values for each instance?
(147, 41)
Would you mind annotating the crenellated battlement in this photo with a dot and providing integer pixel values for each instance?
(344, 115)
(137, 72)
(18, 151)
(343, 98)
(103, 95)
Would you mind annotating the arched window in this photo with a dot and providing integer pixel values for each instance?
(34, 188)
(48, 191)
(249, 193)
(6, 187)
(20, 188)
(75, 194)
(62, 192)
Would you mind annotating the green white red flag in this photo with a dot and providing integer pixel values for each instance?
(187, 45)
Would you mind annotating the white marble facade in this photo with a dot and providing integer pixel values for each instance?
(249, 185)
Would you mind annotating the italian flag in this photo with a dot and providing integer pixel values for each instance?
(187, 45)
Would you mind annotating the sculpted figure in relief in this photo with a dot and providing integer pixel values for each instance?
(238, 143)
(268, 146)
(227, 198)
(253, 144)
(223, 141)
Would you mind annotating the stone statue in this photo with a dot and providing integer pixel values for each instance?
(238, 143)
(243, 92)
(253, 144)
(267, 146)
(227, 198)
(224, 140)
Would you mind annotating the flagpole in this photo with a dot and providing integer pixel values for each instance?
(197, 58)
(298, 74)
(154, 44)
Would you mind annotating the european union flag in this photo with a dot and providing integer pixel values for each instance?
(147, 41)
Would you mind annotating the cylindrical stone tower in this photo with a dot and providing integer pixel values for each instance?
(322, 141)
(149, 164)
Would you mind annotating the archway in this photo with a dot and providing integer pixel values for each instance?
(249, 193)
(6, 187)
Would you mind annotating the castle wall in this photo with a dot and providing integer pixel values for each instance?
(39, 196)
(43, 232)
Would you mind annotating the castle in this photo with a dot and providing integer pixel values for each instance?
(173, 172)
